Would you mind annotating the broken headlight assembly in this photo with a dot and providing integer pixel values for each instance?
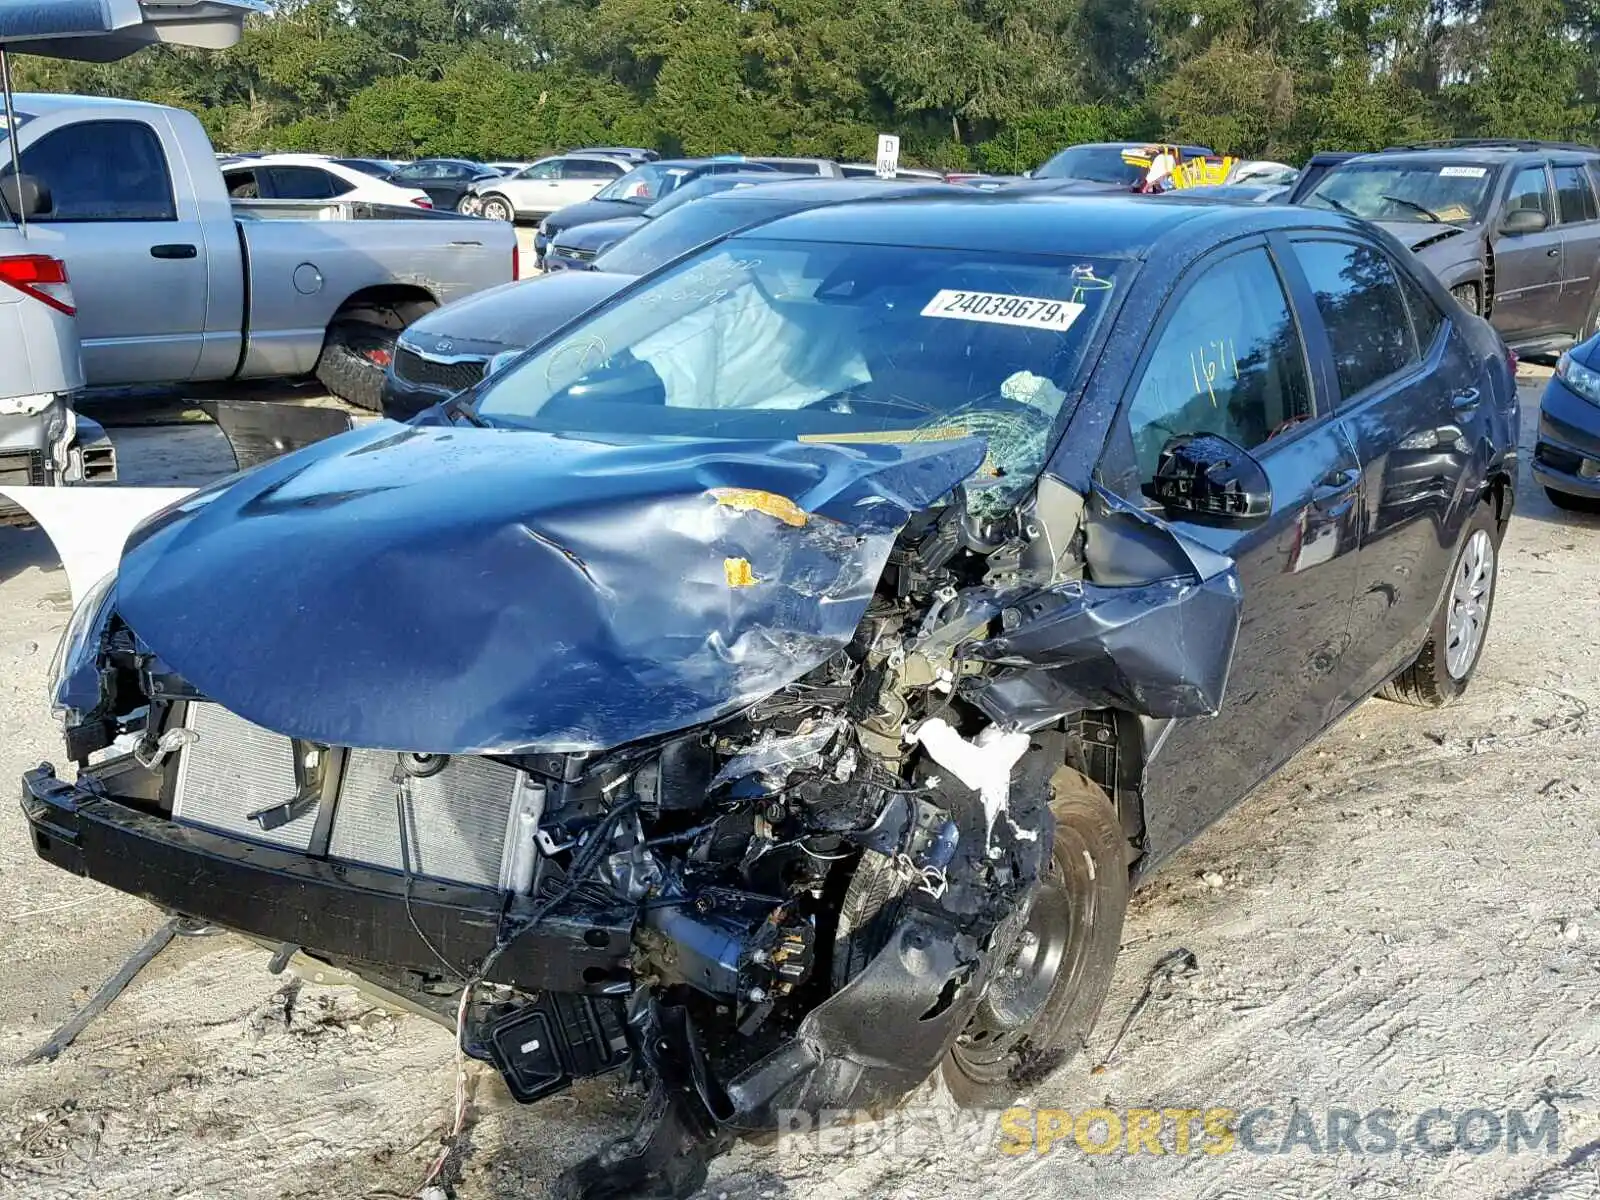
(75, 688)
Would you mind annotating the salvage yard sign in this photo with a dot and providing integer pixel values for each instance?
(888, 155)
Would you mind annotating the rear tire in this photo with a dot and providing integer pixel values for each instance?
(1073, 932)
(354, 359)
(358, 348)
(1442, 670)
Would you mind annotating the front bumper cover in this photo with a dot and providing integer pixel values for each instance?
(339, 910)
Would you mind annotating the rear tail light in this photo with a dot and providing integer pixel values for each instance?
(1513, 361)
(40, 276)
(422, 202)
(516, 261)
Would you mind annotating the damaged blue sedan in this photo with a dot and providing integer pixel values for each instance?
(773, 682)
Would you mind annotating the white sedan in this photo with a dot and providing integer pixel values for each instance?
(312, 177)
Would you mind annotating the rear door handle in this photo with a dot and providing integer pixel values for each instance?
(1553, 252)
(1465, 400)
(174, 250)
(1335, 484)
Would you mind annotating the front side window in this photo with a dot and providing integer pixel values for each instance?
(825, 342)
(1530, 192)
(1574, 197)
(1229, 362)
(545, 170)
(102, 171)
(242, 185)
(1361, 304)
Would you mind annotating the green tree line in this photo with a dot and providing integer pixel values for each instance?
(996, 85)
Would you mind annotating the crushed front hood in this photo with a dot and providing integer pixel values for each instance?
(465, 590)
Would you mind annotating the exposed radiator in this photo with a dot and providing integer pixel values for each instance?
(459, 820)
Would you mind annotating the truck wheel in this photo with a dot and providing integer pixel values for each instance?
(1043, 1000)
(498, 208)
(354, 359)
(1441, 672)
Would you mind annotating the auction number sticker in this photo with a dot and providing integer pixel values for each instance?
(1463, 172)
(998, 308)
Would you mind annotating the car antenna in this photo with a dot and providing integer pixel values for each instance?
(11, 133)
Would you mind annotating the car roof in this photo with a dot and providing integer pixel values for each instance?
(1187, 148)
(1101, 227)
(803, 191)
(1497, 151)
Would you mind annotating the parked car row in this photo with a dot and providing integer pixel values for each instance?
(775, 678)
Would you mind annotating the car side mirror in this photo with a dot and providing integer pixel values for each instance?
(25, 195)
(1207, 479)
(500, 361)
(1525, 220)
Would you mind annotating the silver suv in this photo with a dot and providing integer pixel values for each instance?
(538, 190)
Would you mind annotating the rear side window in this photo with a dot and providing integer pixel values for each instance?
(1426, 318)
(590, 168)
(1228, 362)
(1574, 197)
(1365, 313)
(103, 171)
(305, 183)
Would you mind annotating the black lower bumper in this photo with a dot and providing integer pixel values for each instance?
(338, 910)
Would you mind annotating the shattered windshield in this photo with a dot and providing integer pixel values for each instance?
(827, 343)
(1442, 193)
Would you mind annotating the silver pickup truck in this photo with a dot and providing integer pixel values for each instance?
(176, 282)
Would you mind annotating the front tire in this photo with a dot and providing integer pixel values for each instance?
(498, 208)
(1442, 670)
(1469, 297)
(1042, 1002)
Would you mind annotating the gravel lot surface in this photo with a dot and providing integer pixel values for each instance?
(1407, 917)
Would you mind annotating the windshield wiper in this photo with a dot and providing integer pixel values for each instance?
(1335, 202)
(1415, 207)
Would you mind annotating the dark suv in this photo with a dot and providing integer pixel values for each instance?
(1511, 228)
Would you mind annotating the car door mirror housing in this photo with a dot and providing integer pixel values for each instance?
(1209, 480)
(1525, 220)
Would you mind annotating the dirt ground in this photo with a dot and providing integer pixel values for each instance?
(1408, 917)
